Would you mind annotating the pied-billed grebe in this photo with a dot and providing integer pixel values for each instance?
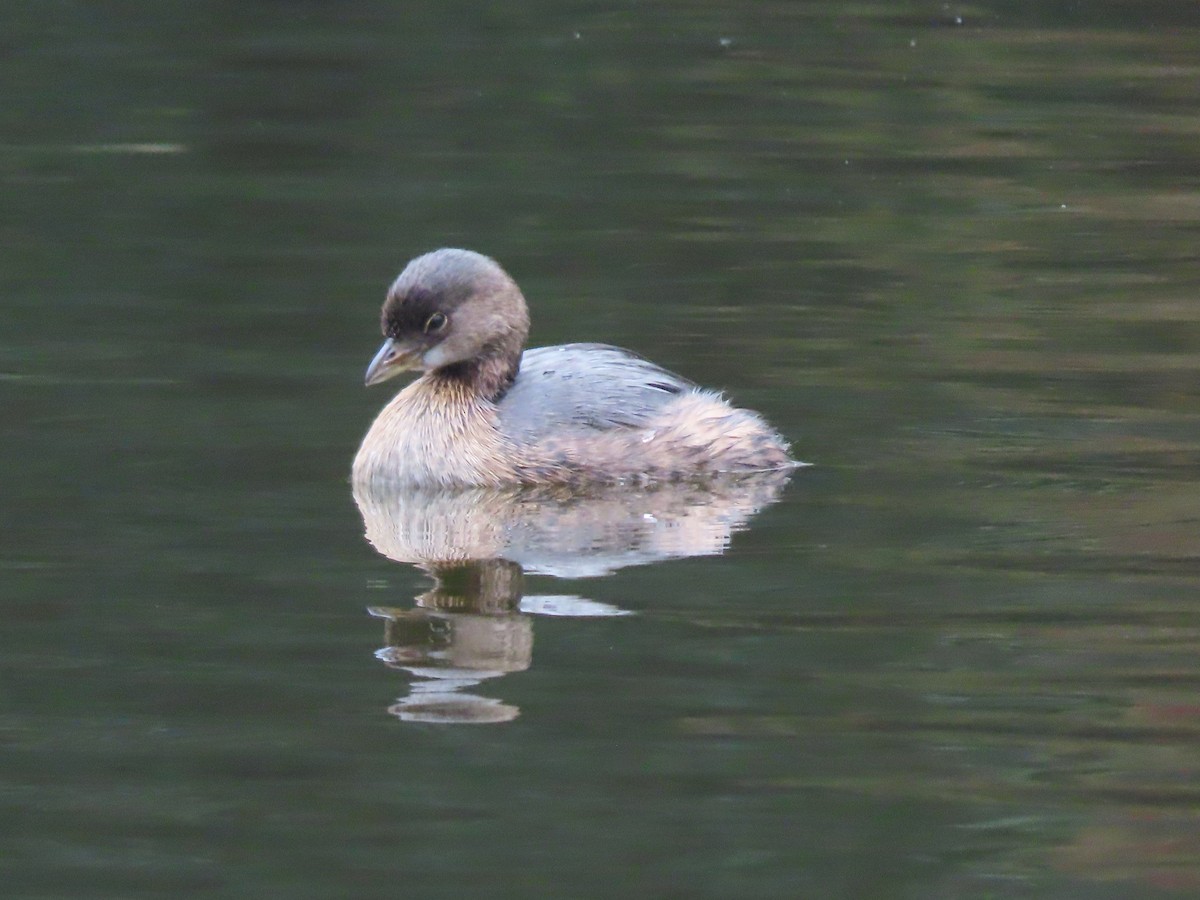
(484, 413)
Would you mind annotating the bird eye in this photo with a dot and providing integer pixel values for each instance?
(436, 322)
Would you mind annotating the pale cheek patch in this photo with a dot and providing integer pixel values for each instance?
(436, 358)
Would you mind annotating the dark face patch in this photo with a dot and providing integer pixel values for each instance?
(441, 281)
(404, 316)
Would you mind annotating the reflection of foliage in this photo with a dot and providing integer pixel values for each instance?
(1075, 733)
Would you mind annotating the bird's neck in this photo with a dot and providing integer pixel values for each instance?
(488, 377)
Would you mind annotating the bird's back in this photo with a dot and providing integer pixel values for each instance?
(585, 386)
(598, 413)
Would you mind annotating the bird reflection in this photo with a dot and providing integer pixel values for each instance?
(475, 622)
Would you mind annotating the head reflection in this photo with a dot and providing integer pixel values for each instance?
(475, 623)
(463, 632)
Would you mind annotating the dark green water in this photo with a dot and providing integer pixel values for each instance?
(949, 250)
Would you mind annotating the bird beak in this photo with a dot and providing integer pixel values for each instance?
(392, 359)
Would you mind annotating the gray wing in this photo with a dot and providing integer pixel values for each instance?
(585, 386)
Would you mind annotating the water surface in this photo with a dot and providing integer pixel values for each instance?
(949, 250)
